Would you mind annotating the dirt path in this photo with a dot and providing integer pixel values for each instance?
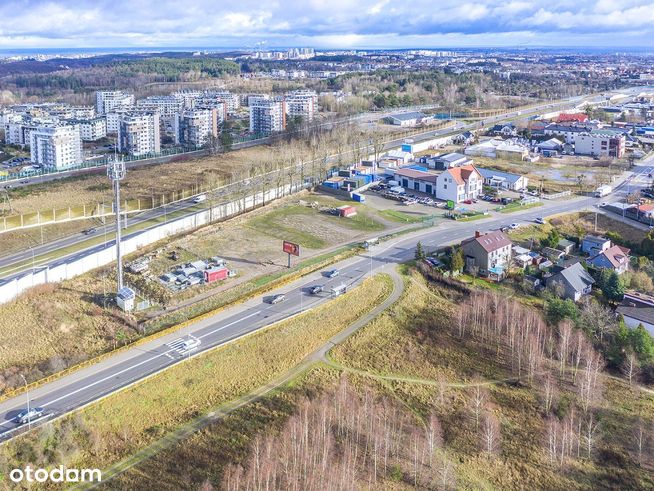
(223, 410)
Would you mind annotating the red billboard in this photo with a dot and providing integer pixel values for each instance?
(291, 248)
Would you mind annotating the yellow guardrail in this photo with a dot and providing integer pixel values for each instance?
(275, 283)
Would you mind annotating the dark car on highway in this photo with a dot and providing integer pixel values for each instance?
(314, 290)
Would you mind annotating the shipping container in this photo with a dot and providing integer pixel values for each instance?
(215, 274)
(358, 197)
(347, 211)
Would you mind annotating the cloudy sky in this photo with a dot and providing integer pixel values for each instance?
(325, 23)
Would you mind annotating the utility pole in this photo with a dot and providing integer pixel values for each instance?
(116, 172)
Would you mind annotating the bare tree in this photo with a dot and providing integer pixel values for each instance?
(478, 400)
(549, 392)
(640, 439)
(589, 434)
(630, 367)
(490, 434)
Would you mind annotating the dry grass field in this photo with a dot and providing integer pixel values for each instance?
(120, 424)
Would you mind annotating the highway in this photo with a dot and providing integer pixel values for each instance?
(45, 255)
(92, 383)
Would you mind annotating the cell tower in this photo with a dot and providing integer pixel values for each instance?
(116, 172)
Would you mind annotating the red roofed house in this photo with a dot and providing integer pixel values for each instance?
(615, 257)
(646, 210)
(489, 252)
(459, 184)
(572, 117)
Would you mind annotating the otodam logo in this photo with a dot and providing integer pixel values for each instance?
(56, 474)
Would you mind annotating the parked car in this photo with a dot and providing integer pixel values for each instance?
(332, 274)
(26, 416)
(315, 290)
(513, 226)
(280, 297)
(540, 220)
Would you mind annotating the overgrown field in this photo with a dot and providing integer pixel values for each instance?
(126, 421)
(408, 362)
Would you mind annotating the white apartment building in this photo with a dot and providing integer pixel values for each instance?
(267, 116)
(459, 184)
(91, 129)
(232, 101)
(194, 127)
(301, 103)
(113, 119)
(166, 105)
(56, 147)
(108, 100)
(188, 97)
(219, 106)
(139, 134)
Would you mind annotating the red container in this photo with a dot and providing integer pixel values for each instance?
(215, 274)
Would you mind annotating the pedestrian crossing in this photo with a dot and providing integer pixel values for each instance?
(183, 346)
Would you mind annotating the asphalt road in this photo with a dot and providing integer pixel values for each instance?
(92, 383)
(39, 252)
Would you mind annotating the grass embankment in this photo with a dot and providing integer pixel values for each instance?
(517, 206)
(128, 420)
(401, 217)
(401, 355)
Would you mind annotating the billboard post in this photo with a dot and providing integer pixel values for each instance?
(291, 249)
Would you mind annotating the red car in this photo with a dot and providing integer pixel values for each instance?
(468, 202)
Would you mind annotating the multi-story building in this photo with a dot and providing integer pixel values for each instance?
(600, 143)
(195, 127)
(113, 118)
(232, 101)
(91, 129)
(188, 97)
(459, 184)
(489, 253)
(568, 131)
(301, 103)
(108, 100)
(139, 133)
(56, 147)
(267, 116)
(166, 105)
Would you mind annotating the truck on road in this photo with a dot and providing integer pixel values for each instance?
(602, 191)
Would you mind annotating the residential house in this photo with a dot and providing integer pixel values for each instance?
(459, 184)
(593, 244)
(465, 138)
(503, 129)
(572, 282)
(568, 131)
(504, 180)
(615, 257)
(637, 308)
(489, 252)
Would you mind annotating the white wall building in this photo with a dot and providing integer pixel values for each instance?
(108, 100)
(597, 143)
(267, 116)
(56, 147)
(139, 133)
(301, 103)
(91, 129)
(113, 119)
(166, 105)
(195, 127)
(459, 184)
(232, 101)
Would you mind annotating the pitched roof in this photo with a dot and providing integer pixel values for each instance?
(407, 116)
(637, 306)
(490, 241)
(616, 255)
(576, 276)
(463, 173)
(579, 117)
(490, 173)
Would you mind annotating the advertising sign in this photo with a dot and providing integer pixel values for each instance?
(291, 248)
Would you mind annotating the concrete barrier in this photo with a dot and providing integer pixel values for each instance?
(75, 267)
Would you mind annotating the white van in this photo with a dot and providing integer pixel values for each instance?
(200, 198)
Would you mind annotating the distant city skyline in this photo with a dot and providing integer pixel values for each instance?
(337, 24)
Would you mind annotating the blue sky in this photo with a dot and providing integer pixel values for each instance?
(325, 23)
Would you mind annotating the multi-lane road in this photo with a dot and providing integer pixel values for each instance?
(47, 255)
(109, 375)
